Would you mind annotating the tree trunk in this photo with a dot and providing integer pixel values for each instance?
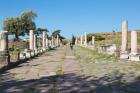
(17, 37)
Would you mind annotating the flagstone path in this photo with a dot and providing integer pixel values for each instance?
(60, 71)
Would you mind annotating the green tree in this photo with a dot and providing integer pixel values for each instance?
(57, 32)
(38, 31)
(73, 39)
(13, 25)
(20, 25)
(27, 19)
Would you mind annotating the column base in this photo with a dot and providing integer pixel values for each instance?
(4, 58)
(22, 56)
(124, 56)
(134, 57)
(28, 54)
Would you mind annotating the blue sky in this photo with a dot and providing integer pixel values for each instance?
(76, 16)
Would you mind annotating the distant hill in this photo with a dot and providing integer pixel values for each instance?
(115, 37)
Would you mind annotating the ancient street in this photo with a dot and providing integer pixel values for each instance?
(65, 71)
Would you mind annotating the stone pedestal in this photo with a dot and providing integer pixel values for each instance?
(41, 50)
(32, 53)
(22, 56)
(124, 56)
(109, 49)
(4, 53)
(4, 58)
(36, 52)
(15, 56)
(27, 53)
(134, 57)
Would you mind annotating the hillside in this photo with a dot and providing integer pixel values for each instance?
(115, 38)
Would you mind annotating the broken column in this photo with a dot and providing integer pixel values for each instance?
(124, 37)
(134, 53)
(4, 53)
(134, 43)
(124, 54)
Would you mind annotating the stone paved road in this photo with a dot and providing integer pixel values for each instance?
(58, 71)
(43, 74)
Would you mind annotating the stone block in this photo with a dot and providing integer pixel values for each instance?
(124, 56)
(22, 55)
(32, 53)
(44, 49)
(4, 61)
(134, 57)
(4, 58)
(15, 56)
(109, 49)
(28, 54)
(41, 50)
(36, 52)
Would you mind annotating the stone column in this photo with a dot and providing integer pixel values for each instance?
(76, 40)
(35, 42)
(4, 41)
(81, 40)
(85, 43)
(124, 37)
(44, 40)
(47, 42)
(93, 40)
(4, 53)
(31, 40)
(52, 41)
(60, 42)
(134, 42)
(57, 40)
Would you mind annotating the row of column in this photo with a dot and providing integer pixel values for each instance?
(124, 45)
(45, 41)
(84, 41)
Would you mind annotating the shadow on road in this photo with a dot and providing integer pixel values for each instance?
(72, 83)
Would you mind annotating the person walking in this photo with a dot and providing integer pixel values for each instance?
(71, 46)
